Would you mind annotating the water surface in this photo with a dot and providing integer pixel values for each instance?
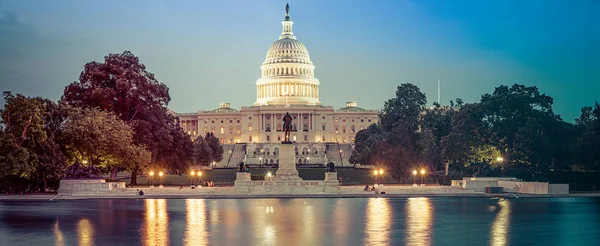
(360, 221)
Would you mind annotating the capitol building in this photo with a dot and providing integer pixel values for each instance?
(287, 84)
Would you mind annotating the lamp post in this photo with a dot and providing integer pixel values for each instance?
(160, 174)
(308, 160)
(414, 177)
(151, 179)
(379, 177)
(199, 175)
(269, 175)
(422, 177)
(193, 176)
(375, 173)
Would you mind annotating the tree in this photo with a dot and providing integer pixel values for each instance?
(215, 146)
(202, 152)
(587, 148)
(404, 109)
(435, 123)
(101, 139)
(400, 119)
(121, 84)
(365, 144)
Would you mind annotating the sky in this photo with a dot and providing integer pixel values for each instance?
(208, 52)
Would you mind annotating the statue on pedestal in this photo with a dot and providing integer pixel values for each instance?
(287, 128)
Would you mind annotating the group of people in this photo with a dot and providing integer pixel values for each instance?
(368, 188)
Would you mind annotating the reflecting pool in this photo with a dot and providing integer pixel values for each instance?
(360, 221)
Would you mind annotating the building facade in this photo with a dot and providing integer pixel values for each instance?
(287, 84)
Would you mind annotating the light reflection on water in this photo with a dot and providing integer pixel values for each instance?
(195, 231)
(59, 239)
(85, 232)
(379, 217)
(419, 215)
(373, 221)
(499, 232)
(156, 223)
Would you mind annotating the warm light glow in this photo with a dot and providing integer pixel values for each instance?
(269, 174)
(375, 172)
(195, 230)
(414, 172)
(499, 159)
(422, 171)
(199, 173)
(379, 221)
(84, 161)
(155, 230)
(193, 173)
(151, 173)
(85, 232)
(419, 217)
(380, 171)
(499, 232)
(59, 239)
(160, 173)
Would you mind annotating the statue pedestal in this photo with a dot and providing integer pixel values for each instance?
(243, 182)
(332, 184)
(287, 164)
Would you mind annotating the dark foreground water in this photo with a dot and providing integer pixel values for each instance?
(368, 221)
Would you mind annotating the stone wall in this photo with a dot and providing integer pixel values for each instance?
(71, 187)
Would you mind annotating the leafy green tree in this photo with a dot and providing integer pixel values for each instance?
(587, 148)
(101, 139)
(215, 146)
(404, 109)
(122, 85)
(202, 152)
(435, 124)
(365, 144)
(400, 119)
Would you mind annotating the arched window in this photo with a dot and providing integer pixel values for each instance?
(266, 150)
(352, 129)
(250, 127)
(275, 151)
(305, 151)
(278, 127)
(344, 129)
(314, 150)
(222, 130)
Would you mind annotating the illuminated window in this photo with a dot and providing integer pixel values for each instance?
(194, 133)
(294, 138)
(222, 130)
(249, 127)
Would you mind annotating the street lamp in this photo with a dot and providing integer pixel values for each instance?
(308, 160)
(151, 179)
(193, 176)
(499, 159)
(375, 173)
(422, 177)
(160, 174)
(414, 177)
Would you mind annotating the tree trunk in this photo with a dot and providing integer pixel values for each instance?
(113, 174)
(134, 176)
(446, 166)
(45, 186)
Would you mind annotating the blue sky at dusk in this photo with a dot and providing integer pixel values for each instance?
(208, 52)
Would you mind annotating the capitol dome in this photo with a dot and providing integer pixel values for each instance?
(287, 76)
